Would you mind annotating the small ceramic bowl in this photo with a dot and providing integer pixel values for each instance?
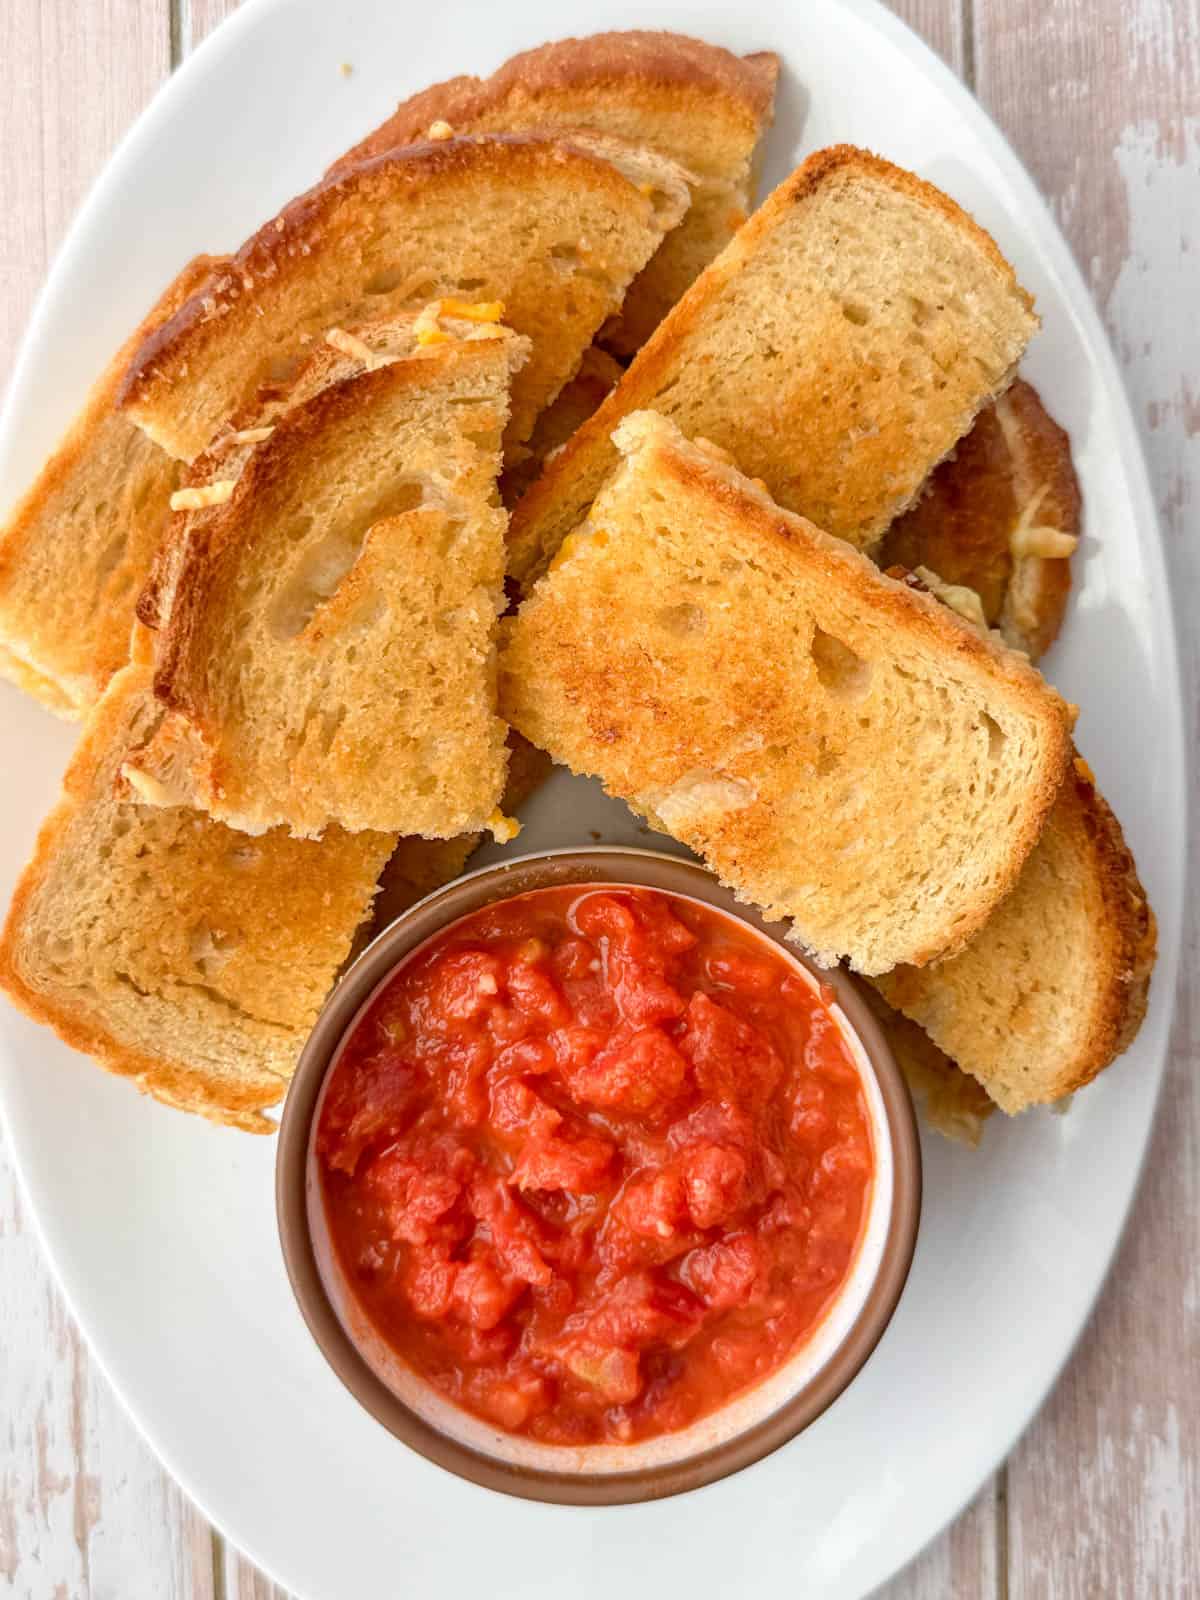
(744, 1430)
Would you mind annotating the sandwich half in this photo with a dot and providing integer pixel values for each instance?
(599, 373)
(180, 954)
(326, 611)
(1056, 984)
(949, 1100)
(842, 751)
(77, 548)
(839, 347)
(1001, 517)
(554, 230)
(703, 106)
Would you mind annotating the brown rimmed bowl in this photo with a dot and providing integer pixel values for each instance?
(741, 1432)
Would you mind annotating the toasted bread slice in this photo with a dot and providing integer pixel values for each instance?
(552, 229)
(838, 348)
(950, 1101)
(842, 751)
(327, 633)
(1002, 517)
(419, 866)
(1055, 986)
(702, 106)
(178, 953)
(75, 552)
(598, 375)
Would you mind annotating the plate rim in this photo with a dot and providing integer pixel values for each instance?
(1145, 519)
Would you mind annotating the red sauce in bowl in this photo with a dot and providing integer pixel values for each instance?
(595, 1162)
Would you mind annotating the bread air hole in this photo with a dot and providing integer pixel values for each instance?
(210, 948)
(681, 620)
(324, 563)
(384, 281)
(282, 368)
(858, 315)
(996, 737)
(839, 670)
(920, 312)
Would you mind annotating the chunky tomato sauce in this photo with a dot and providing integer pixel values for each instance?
(595, 1162)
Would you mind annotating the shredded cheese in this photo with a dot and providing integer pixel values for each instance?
(717, 452)
(965, 602)
(472, 311)
(585, 534)
(503, 829)
(349, 344)
(147, 788)
(209, 494)
(1032, 539)
(1049, 543)
(426, 325)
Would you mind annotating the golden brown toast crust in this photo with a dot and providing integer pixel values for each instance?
(1133, 931)
(1083, 828)
(177, 1082)
(950, 1100)
(1016, 456)
(652, 369)
(599, 373)
(397, 417)
(594, 682)
(639, 64)
(419, 866)
(181, 652)
(335, 219)
(69, 670)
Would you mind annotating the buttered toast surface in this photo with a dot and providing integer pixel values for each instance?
(761, 691)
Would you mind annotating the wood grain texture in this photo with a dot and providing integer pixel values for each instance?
(1104, 1490)
(75, 77)
(243, 1580)
(941, 23)
(202, 16)
(85, 1508)
(1102, 1495)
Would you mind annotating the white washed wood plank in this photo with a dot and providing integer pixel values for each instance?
(202, 16)
(85, 1509)
(76, 75)
(962, 1563)
(42, 1495)
(243, 1580)
(1103, 102)
(940, 23)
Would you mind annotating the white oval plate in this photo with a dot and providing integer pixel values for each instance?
(162, 1229)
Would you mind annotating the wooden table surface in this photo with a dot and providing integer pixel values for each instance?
(1101, 1499)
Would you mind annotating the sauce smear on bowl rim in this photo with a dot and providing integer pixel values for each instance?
(595, 1161)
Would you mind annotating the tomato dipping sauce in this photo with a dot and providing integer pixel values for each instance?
(595, 1162)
